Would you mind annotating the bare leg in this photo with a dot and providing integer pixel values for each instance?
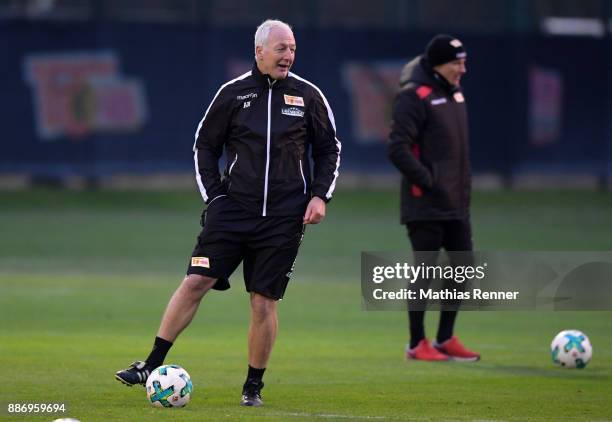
(262, 330)
(183, 305)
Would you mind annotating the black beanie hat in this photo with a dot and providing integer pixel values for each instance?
(443, 49)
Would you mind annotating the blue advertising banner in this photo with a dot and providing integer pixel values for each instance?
(99, 99)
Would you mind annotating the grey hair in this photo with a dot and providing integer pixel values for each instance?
(263, 31)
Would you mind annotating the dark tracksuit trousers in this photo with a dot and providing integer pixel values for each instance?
(433, 235)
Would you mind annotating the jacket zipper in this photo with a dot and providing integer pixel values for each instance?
(265, 201)
(233, 164)
(303, 178)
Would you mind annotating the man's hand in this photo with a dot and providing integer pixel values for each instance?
(315, 212)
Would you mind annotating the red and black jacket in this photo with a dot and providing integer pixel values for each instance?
(429, 145)
(269, 129)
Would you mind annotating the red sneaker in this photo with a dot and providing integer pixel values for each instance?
(455, 350)
(424, 351)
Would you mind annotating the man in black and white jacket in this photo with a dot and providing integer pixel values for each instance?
(269, 122)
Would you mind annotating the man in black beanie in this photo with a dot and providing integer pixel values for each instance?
(429, 146)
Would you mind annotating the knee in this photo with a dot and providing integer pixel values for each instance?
(197, 285)
(262, 307)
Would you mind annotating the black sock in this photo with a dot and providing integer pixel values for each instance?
(417, 327)
(255, 374)
(447, 323)
(159, 352)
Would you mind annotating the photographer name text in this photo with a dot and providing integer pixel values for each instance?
(446, 294)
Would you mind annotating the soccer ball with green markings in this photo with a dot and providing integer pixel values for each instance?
(169, 386)
(571, 349)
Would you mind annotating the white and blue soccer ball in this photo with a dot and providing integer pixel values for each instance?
(571, 349)
(169, 386)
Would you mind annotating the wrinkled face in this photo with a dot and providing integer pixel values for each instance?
(452, 71)
(276, 56)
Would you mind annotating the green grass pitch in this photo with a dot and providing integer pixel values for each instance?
(84, 278)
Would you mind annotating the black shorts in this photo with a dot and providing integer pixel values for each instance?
(267, 246)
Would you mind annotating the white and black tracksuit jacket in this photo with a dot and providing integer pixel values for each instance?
(268, 129)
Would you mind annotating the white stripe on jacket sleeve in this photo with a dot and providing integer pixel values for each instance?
(195, 150)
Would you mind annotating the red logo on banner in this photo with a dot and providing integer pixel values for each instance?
(372, 87)
(545, 105)
(77, 94)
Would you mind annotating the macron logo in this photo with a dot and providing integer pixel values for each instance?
(247, 96)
